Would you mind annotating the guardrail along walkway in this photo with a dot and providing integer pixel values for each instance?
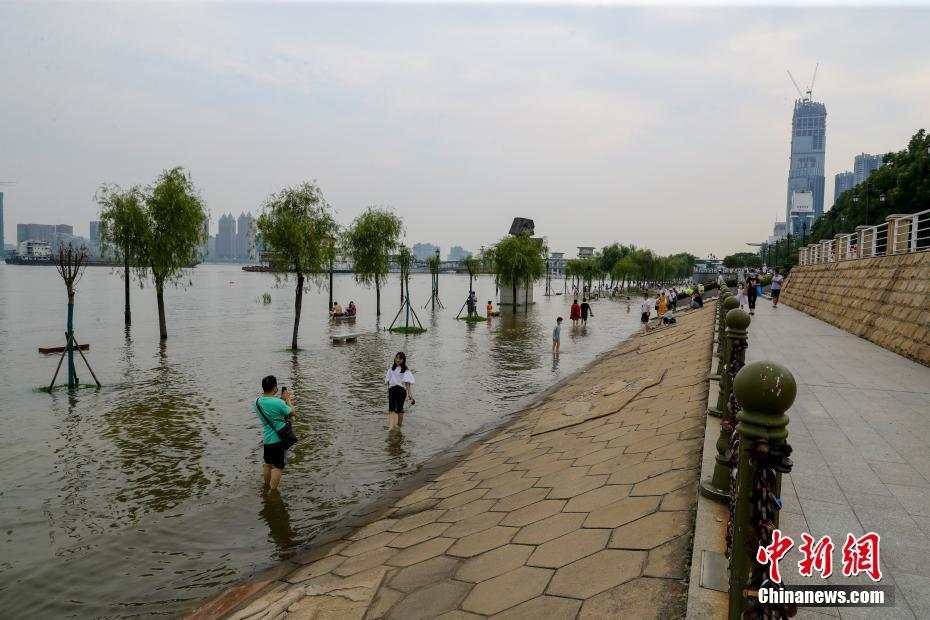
(860, 429)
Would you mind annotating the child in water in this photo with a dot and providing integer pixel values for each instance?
(557, 335)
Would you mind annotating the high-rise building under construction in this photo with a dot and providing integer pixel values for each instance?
(808, 142)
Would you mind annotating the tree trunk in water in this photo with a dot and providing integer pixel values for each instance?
(160, 296)
(298, 302)
(377, 296)
(330, 286)
(72, 374)
(515, 296)
(126, 313)
(526, 299)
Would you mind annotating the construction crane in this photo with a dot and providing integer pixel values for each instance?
(806, 95)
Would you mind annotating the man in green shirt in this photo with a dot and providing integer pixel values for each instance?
(273, 410)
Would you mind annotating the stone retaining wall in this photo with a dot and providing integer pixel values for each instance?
(884, 299)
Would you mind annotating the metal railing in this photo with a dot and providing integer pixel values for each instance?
(899, 234)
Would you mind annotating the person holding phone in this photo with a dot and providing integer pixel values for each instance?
(275, 414)
(400, 388)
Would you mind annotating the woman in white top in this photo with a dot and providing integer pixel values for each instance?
(400, 387)
(742, 296)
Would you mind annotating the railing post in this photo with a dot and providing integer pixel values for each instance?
(718, 328)
(838, 243)
(718, 486)
(723, 360)
(913, 232)
(765, 390)
(860, 240)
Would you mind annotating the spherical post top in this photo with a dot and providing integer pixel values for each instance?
(765, 387)
(737, 319)
(730, 303)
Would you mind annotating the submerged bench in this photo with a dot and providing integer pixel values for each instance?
(342, 338)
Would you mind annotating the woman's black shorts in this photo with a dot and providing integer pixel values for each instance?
(644, 317)
(275, 455)
(396, 397)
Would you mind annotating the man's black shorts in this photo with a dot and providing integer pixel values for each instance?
(396, 396)
(775, 293)
(275, 455)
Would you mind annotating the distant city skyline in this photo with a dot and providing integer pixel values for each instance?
(589, 120)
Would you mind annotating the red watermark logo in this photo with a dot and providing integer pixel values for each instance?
(860, 555)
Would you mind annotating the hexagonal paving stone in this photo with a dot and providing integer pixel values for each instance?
(549, 529)
(534, 512)
(461, 499)
(682, 499)
(455, 489)
(542, 608)
(631, 439)
(429, 571)
(417, 508)
(619, 463)
(649, 444)
(599, 457)
(414, 521)
(465, 511)
(679, 448)
(549, 467)
(577, 487)
(423, 551)
(596, 573)
(364, 562)
(369, 544)
(651, 531)
(568, 548)
(521, 499)
(621, 512)
(507, 590)
(597, 498)
(562, 477)
(488, 539)
(502, 479)
(503, 468)
(320, 567)
(418, 535)
(510, 488)
(666, 482)
(669, 561)
(495, 562)
(477, 523)
(416, 496)
(638, 473)
(643, 599)
(371, 529)
(430, 601)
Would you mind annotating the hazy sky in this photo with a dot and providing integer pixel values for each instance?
(665, 127)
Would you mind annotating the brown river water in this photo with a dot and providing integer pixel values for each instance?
(143, 497)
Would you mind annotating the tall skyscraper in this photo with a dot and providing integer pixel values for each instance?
(226, 237)
(864, 165)
(842, 182)
(95, 231)
(808, 143)
(245, 236)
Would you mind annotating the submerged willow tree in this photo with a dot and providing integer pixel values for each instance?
(173, 216)
(297, 227)
(370, 241)
(519, 260)
(122, 230)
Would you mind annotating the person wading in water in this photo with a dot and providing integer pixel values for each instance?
(400, 388)
(275, 414)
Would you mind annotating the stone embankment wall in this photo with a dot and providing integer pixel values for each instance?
(884, 299)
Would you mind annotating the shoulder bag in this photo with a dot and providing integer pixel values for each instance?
(285, 433)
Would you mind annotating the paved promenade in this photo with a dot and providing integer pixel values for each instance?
(860, 429)
(582, 507)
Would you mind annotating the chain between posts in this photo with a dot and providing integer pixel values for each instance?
(723, 360)
(718, 486)
(765, 391)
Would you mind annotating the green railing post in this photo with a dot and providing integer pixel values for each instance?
(765, 391)
(718, 326)
(730, 303)
(718, 486)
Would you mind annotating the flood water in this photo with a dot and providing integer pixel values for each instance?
(143, 497)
